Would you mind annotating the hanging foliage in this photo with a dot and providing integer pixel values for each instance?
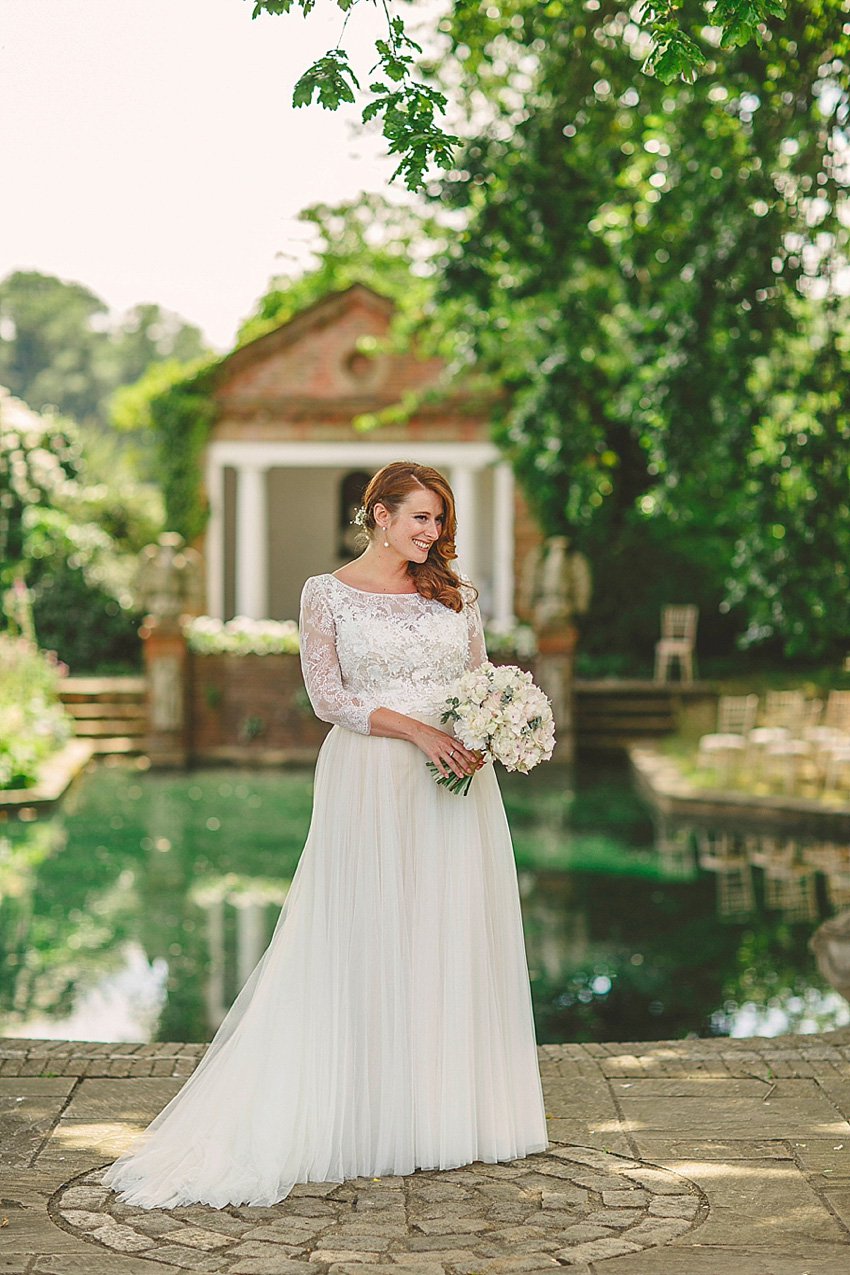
(175, 401)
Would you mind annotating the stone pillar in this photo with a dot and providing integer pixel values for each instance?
(252, 542)
(251, 936)
(557, 584)
(214, 542)
(167, 671)
(503, 544)
(215, 997)
(168, 588)
(463, 486)
(553, 672)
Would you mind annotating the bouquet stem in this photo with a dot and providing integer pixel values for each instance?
(454, 783)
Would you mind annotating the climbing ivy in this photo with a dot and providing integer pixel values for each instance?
(175, 401)
(183, 416)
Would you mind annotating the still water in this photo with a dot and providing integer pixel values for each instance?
(137, 910)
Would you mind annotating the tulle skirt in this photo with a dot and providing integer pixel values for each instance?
(388, 1025)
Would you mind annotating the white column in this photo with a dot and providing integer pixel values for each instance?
(503, 543)
(214, 540)
(252, 537)
(251, 937)
(463, 486)
(216, 1006)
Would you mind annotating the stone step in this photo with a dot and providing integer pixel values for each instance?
(108, 712)
(103, 708)
(104, 727)
(118, 744)
(625, 720)
(638, 686)
(611, 714)
(622, 704)
(105, 688)
(611, 742)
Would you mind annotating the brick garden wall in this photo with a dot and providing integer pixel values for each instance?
(250, 707)
(244, 708)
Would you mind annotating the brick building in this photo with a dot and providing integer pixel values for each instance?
(285, 467)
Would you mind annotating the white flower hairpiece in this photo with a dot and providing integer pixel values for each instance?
(359, 518)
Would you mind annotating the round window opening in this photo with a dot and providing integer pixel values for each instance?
(359, 365)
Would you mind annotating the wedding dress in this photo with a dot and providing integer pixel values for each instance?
(388, 1026)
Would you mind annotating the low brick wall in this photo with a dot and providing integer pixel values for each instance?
(246, 709)
(250, 708)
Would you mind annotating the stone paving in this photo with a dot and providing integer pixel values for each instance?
(669, 1158)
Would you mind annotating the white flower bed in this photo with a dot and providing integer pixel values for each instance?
(241, 636)
(510, 639)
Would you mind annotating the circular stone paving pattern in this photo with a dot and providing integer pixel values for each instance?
(563, 1207)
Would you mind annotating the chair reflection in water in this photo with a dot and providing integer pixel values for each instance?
(674, 845)
(833, 861)
(789, 881)
(724, 855)
(789, 868)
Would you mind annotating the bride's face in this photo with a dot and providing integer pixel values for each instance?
(414, 526)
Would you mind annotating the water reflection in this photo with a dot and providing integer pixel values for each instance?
(255, 905)
(141, 907)
(790, 867)
(799, 880)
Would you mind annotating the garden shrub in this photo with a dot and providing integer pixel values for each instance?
(33, 723)
(72, 540)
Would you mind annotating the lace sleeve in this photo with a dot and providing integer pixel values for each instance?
(320, 664)
(476, 650)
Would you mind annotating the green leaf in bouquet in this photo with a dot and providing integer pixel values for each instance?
(454, 783)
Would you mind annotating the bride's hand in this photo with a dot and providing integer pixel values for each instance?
(447, 753)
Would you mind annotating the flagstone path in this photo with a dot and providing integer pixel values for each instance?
(671, 1158)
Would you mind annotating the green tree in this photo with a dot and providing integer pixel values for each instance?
(792, 558)
(148, 334)
(638, 262)
(52, 335)
(60, 347)
(372, 240)
(410, 106)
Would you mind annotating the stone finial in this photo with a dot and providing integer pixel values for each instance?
(556, 584)
(168, 579)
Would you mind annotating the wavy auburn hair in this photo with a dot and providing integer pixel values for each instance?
(435, 578)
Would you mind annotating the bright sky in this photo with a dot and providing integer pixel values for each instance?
(149, 150)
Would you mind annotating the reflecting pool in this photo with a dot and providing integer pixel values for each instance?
(138, 909)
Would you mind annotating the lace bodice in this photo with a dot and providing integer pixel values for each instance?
(361, 651)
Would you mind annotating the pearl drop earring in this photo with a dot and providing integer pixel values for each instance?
(386, 542)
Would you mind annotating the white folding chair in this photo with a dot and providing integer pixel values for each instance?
(678, 639)
(736, 715)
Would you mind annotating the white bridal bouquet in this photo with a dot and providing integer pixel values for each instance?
(498, 710)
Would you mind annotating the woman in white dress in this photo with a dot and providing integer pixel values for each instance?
(388, 1027)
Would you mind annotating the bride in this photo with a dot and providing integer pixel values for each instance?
(388, 1026)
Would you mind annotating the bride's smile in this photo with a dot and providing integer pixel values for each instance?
(417, 524)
